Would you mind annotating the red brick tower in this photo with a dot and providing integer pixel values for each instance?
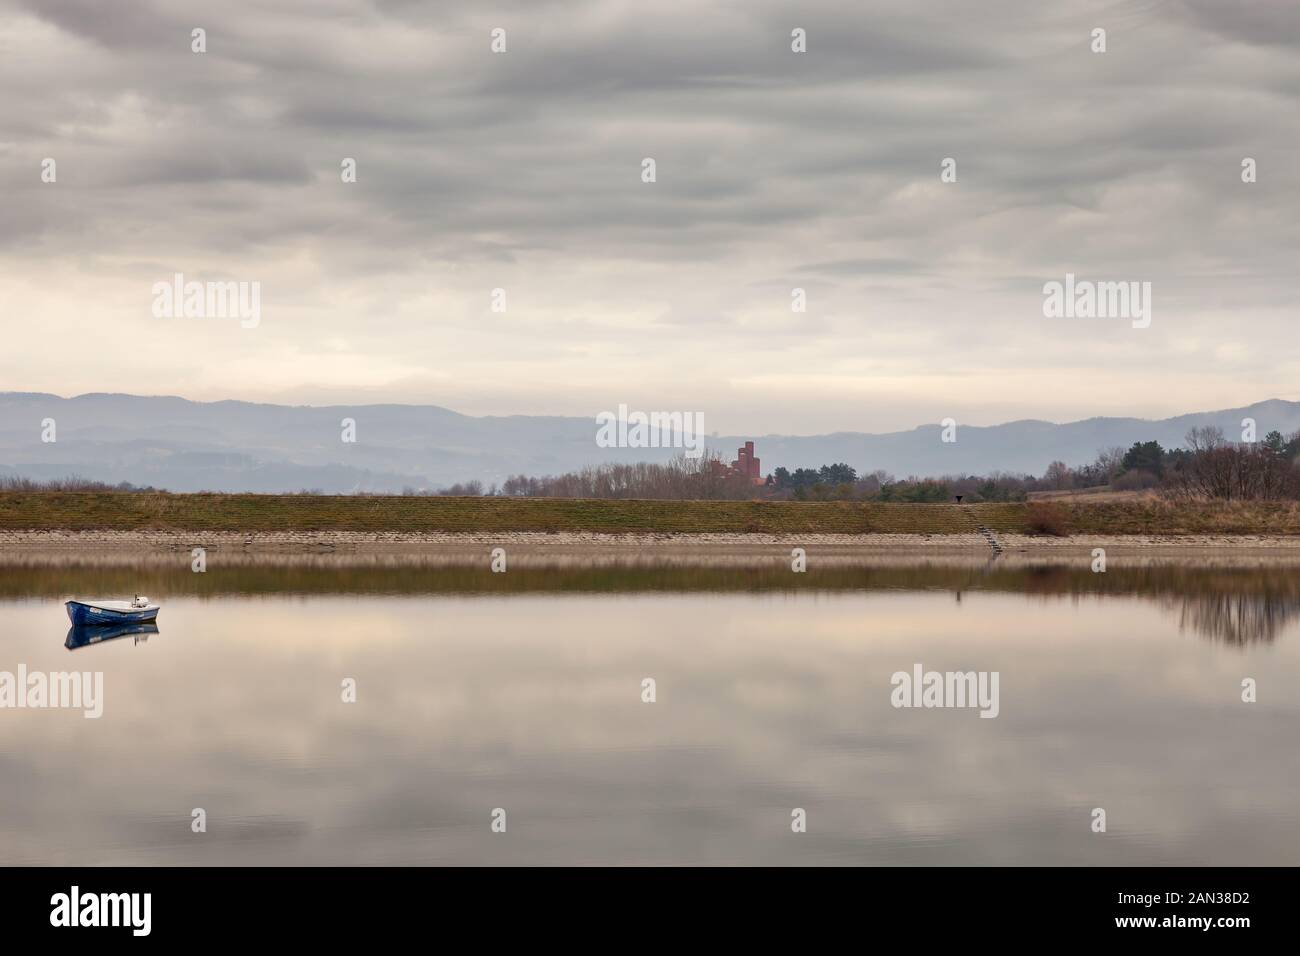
(746, 464)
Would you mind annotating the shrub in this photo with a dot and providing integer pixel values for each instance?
(1135, 481)
(1046, 518)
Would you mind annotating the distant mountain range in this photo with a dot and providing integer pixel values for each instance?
(241, 446)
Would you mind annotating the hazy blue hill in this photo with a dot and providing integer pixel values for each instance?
(244, 446)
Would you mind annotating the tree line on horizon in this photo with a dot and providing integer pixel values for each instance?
(1208, 467)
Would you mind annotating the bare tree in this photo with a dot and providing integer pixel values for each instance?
(1205, 438)
(1059, 476)
(1110, 461)
(1216, 468)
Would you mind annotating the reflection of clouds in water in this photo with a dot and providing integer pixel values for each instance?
(532, 702)
(1237, 618)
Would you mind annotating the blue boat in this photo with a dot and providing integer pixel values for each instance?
(86, 636)
(111, 613)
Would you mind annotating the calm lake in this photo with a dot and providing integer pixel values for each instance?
(524, 692)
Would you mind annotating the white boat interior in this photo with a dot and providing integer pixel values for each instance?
(139, 604)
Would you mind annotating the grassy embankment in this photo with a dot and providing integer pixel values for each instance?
(90, 511)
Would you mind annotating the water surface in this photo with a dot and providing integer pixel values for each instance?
(523, 691)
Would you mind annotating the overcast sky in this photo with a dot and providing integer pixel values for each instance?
(522, 170)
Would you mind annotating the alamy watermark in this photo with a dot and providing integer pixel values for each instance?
(626, 429)
(129, 910)
(1085, 299)
(57, 690)
(922, 688)
(178, 299)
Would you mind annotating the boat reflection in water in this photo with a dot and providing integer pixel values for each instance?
(87, 634)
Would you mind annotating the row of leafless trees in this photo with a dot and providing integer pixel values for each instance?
(680, 478)
(71, 483)
(1208, 467)
(1214, 467)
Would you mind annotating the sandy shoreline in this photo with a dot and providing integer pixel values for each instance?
(565, 547)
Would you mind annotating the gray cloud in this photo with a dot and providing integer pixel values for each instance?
(477, 170)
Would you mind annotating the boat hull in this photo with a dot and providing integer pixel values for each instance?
(98, 634)
(90, 615)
